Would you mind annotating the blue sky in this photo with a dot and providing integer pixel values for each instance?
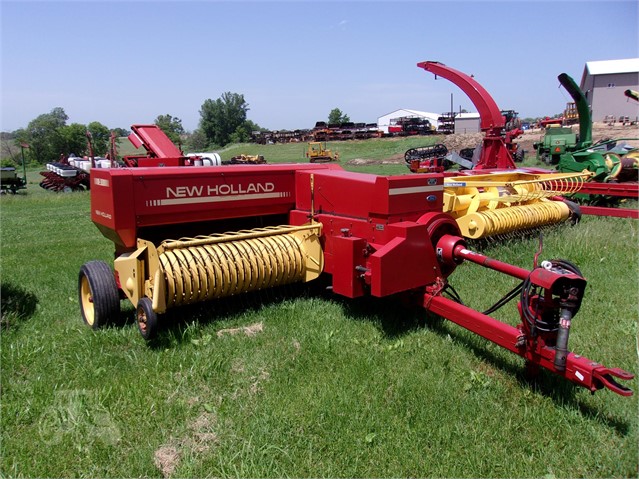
(122, 62)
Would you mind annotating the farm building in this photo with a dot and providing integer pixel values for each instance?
(604, 84)
(467, 123)
(384, 121)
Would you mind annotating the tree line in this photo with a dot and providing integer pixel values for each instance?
(222, 121)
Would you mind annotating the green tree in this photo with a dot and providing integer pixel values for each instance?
(100, 136)
(9, 148)
(43, 136)
(196, 141)
(121, 132)
(244, 132)
(172, 126)
(74, 139)
(336, 116)
(221, 118)
(252, 126)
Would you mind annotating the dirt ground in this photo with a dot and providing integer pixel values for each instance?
(600, 131)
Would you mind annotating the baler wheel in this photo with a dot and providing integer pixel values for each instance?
(147, 319)
(98, 294)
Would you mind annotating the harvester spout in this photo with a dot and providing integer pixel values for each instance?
(585, 117)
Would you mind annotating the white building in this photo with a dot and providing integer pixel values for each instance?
(604, 84)
(384, 121)
(467, 123)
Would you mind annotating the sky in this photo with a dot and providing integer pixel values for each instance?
(126, 62)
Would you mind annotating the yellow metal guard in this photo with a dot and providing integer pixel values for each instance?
(190, 270)
(492, 204)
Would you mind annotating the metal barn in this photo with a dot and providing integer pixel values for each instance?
(467, 123)
(604, 84)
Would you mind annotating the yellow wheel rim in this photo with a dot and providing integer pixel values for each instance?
(87, 301)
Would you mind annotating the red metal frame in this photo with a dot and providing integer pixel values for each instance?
(579, 370)
(624, 189)
(160, 149)
(607, 211)
(154, 140)
(538, 349)
(380, 236)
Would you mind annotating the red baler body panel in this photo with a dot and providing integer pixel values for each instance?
(359, 209)
(126, 199)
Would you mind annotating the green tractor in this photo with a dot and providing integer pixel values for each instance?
(556, 141)
(560, 142)
(607, 161)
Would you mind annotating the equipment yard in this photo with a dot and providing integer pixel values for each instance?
(467, 140)
(296, 381)
(411, 255)
(293, 307)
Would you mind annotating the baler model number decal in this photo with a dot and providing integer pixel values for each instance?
(181, 195)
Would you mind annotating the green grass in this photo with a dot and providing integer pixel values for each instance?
(328, 388)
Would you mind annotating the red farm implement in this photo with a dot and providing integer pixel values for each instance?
(243, 228)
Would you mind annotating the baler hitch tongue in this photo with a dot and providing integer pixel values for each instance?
(604, 377)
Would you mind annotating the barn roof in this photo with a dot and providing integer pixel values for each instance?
(467, 116)
(412, 112)
(608, 67)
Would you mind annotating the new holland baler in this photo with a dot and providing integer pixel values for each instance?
(186, 235)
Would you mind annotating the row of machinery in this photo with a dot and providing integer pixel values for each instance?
(73, 173)
(592, 172)
(186, 235)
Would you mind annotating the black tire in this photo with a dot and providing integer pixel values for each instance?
(147, 319)
(575, 212)
(98, 294)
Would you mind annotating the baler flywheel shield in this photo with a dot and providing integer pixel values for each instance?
(207, 267)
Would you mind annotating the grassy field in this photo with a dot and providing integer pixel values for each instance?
(296, 382)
